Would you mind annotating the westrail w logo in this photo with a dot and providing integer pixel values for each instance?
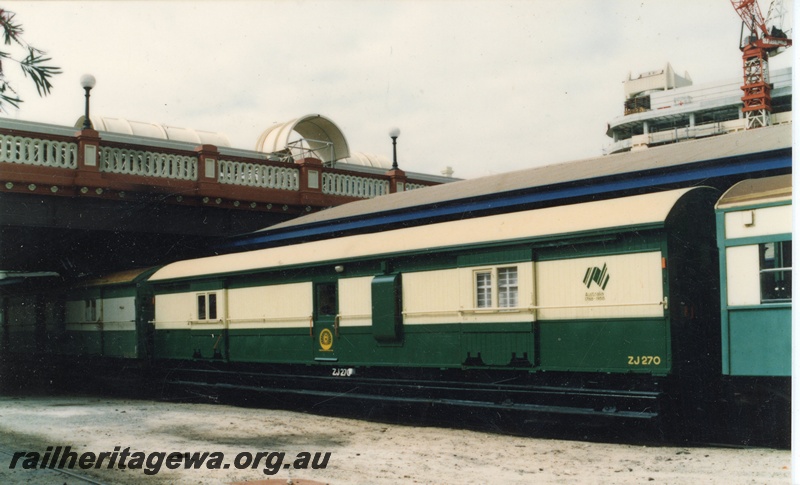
(596, 275)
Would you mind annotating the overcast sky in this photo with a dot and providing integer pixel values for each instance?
(482, 86)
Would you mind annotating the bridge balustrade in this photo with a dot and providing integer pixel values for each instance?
(148, 163)
(353, 185)
(412, 186)
(38, 151)
(258, 175)
(58, 161)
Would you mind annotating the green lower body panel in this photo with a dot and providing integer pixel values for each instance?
(290, 345)
(631, 345)
(22, 341)
(759, 342)
(82, 343)
(108, 343)
(172, 344)
(119, 343)
(499, 345)
(188, 344)
(420, 345)
(590, 346)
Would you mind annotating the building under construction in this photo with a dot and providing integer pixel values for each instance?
(663, 107)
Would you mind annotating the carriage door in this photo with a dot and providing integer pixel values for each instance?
(145, 315)
(326, 309)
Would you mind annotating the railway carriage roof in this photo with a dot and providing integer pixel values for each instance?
(583, 218)
(757, 191)
(120, 277)
(583, 178)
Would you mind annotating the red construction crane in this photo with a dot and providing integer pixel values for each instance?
(757, 43)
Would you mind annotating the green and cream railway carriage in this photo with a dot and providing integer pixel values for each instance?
(754, 233)
(754, 223)
(582, 287)
(108, 317)
(596, 307)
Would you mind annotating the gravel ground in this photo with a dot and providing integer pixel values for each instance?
(360, 451)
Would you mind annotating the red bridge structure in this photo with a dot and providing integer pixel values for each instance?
(127, 194)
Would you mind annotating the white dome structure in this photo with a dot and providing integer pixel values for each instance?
(310, 135)
(369, 160)
(155, 130)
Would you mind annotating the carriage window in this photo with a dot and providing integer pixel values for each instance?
(201, 307)
(327, 299)
(507, 287)
(90, 310)
(212, 306)
(483, 289)
(207, 306)
(506, 294)
(775, 264)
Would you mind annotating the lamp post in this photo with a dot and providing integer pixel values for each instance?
(87, 82)
(393, 134)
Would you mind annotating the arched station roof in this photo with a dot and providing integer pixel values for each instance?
(155, 130)
(758, 191)
(369, 160)
(317, 131)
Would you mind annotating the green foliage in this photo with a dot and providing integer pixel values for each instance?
(33, 63)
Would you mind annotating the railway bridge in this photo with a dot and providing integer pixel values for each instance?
(82, 201)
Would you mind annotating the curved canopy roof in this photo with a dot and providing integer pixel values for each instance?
(625, 213)
(155, 130)
(369, 160)
(318, 132)
(128, 276)
(757, 191)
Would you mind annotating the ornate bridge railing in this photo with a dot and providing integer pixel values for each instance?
(35, 157)
(29, 150)
(148, 163)
(259, 175)
(353, 185)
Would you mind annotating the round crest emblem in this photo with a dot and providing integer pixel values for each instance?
(326, 339)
